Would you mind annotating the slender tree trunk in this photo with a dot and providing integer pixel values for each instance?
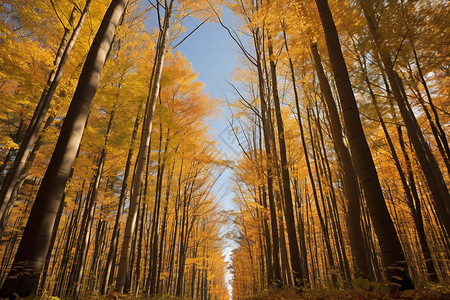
(184, 236)
(285, 269)
(172, 248)
(288, 206)
(350, 180)
(163, 230)
(273, 212)
(157, 213)
(143, 149)
(263, 200)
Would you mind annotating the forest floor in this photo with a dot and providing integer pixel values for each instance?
(440, 293)
(432, 292)
(428, 293)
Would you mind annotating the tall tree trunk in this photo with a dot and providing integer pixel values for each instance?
(300, 222)
(296, 263)
(37, 234)
(322, 217)
(389, 241)
(263, 201)
(269, 156)
(163, 230)
(350, 179)
(143, 149)
(332, 201)
(175, 231)
(157, 212)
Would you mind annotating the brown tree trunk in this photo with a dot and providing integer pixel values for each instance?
(296, 262)
(36, 238)
(257, 39)
(157, 212)
(163, 230)
(350, 179)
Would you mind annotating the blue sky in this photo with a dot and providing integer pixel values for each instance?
(213, 54)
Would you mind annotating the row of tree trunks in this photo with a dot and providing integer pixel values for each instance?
(351, 186)
(110, 261)
(389, 242)
(258, 42)
(423, 152)
(35, 242)
(26, 146)
(143, 149)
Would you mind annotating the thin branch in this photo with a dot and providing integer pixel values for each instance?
(191, 33)
(57, 15)
(235, 39)
(250, 106)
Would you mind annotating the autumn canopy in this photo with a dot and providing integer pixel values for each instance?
(111, 175)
